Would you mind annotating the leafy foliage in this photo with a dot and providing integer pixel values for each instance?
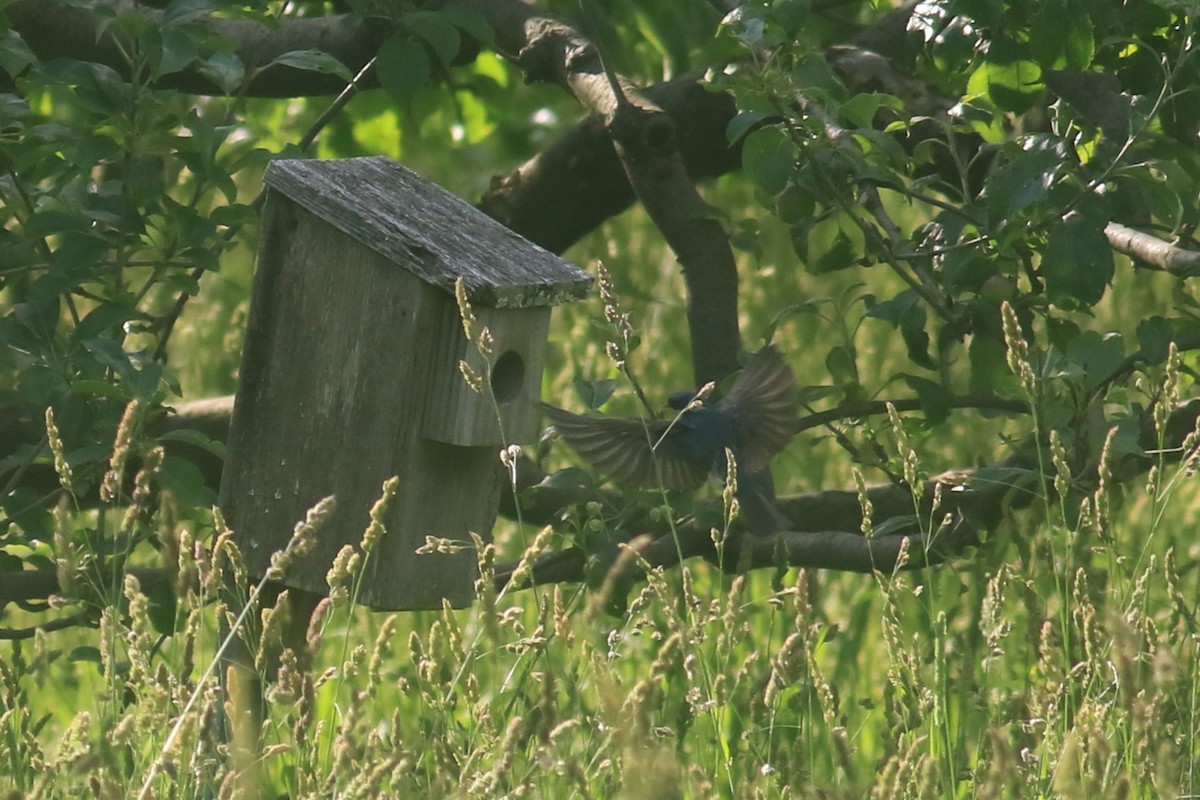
(1059, 132)
(935, 229)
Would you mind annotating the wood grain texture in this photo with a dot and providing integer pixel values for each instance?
(334, 380)
(430, 232)
(456, 414)
(350, 373)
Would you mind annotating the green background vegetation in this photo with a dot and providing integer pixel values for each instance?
(1058, 659)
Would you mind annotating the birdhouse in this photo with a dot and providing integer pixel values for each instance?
(350, 373)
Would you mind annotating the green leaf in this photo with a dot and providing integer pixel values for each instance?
(162, 607)
(740, 125)
(811, 394)
(47, 223)
(907, 314)
(768, 158)
(989, 368)
(178, 51)
(86, 654)
(110, 354)
(967, 271)
(15, 54)
(894, 310)
(313, 60)
(1077, 264)
(101, 388)
(881, 147)
(179, 11)
(103, 319)
(1080, 39)
(95, 453)
(1062, 34)
(794, 204)
(146, 379)
(840, 255)
(810, 306)
(841, 366)
(904, 523)
(403, 68)
(860, 110)
(40, 315)
(935, 400)
(94, 149)
(194, 439)
(982, 119)
(988, 478)
(1154, 336)
(433, 28)
(26, 508)
(225, 70)
(113, 93)
(594, 393)
(568, 482)
(470, 21)
(1100, 355)
(1022, 182)
(77, 255)
(1014, 86)
(184, 480)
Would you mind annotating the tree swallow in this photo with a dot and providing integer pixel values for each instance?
(755, 421)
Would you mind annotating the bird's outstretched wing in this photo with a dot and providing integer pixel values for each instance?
(764, 403)
(623, 448)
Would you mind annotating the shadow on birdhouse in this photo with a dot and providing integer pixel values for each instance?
(350, 373)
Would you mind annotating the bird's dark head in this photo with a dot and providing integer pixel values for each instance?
(679, 401)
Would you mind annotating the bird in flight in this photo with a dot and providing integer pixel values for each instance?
(755, 420)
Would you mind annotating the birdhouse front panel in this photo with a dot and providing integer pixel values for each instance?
(503, 407)
(333, 386)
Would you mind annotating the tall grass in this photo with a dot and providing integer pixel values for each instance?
(1006, 680)
(1059, 660)
(1065, 667)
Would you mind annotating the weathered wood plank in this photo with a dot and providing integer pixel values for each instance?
(457, 414)
(331, 394)
(350, 374)
(438, 237)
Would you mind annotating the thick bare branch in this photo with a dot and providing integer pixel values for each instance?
(565, 191)
(1153, 251)
(29, 585)
(53, 29)
(62, 623)
(823, 549)
(644, 135)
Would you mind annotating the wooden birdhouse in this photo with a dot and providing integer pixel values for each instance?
(350, 373)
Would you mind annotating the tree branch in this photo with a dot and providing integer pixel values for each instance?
(962, 506)
(27, 585)
(548, 49)
(1152, 251)
(13, 634)
(824, 549)
(53, 29)
(872, 408)
(568, 189)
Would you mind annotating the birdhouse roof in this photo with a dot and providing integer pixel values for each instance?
(426, 229)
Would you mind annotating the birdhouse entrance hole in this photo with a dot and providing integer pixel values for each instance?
(508, 376)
